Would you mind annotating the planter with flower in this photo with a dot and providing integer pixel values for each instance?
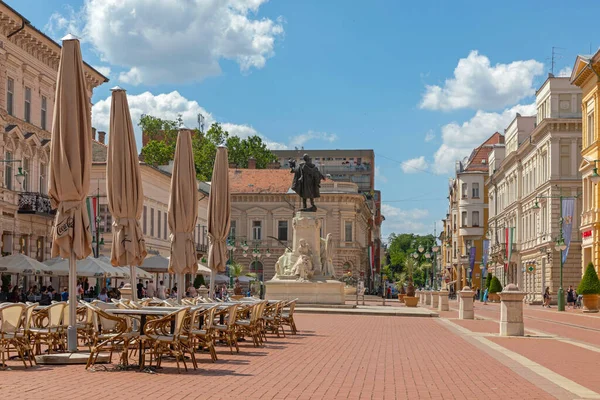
(410, 300)
(589, 287)
(236, 271)
(494, 289)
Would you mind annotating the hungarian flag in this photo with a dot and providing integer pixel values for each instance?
(92, 210)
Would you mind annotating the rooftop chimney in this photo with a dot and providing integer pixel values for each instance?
(93, 133)
(101, 137)
(252, 163)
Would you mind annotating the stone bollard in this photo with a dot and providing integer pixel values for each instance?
(126, 292)
(511, 311)
(428, 297)
(434, 299)
(465, 309)
(421, 297)
(443, 303)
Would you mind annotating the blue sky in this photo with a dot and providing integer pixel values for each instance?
(419, 82)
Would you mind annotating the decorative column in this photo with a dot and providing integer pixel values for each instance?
(434, 299)
(443, 301)
(511, 311)
(465, 308)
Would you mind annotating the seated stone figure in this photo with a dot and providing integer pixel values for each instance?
(282, 266)
(303, 268)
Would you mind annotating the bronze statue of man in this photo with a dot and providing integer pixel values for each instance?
(307, 181)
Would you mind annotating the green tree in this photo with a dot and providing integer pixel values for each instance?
(589, 283)
(495, 286)
(199, 281)
(160, 149)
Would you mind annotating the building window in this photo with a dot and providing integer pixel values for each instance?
(232, 229)
(43, 189)
(26, 184)
(590, 128)
(348, 231)
(44, 112)
(159, 230)
(10, 96)
(165, 226)
(144, 223)
(565, 160)
(256, 230)
(464, 190)
(8, 171)
(151, 222)
(475, 188)
(475, 218)
(282, 230)
(463, 219)
(27, 113)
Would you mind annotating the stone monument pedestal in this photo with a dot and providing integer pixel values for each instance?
(443, 305)
(318, 291)
(511, 311)
(305, 271)
(465, 309)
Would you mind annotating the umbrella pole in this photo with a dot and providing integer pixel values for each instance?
(133, 274)
(72, 329)
(213, 276)
(180, 286)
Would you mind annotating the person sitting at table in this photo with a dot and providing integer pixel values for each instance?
(192, 292)
(103, 296)
(65, 294)
(173, 294)
(46, 299)
(15, 295)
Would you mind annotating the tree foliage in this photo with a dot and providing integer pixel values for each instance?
(488, 281)
(199, 281)
(162, 133)
(400, 250)
(495, 285)
(589, 283)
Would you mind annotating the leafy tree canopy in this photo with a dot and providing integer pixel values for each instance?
(400, 250)
(160, 149)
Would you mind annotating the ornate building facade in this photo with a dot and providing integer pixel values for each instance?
(28, 70)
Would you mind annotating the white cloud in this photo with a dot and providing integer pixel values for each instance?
(414, 165)
(301, 139)
(479, 85)
(565, 72)
(104, 70)
(170, 105)
(168, 41)
(429, 136)
(397, 220)
(460, 139)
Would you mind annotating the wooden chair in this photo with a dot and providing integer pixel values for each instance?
(228, 329)
(48, 327)
(203, 336)
(272, 318)
(252, 325)
(287, 317)
(162, 341)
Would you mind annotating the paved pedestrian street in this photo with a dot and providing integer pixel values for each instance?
(361, 357)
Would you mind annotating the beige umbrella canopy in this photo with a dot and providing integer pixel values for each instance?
(22, 264)
(70, 166)
(124, 188)
(219, 215)
(183, 210)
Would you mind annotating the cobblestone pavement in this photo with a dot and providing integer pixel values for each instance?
(333, 357)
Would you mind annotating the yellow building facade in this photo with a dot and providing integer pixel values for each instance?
(586, 75)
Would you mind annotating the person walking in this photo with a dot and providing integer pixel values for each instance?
(485, 296)
(570, 297)
(547, 297)
(151, 289)
(161, 291)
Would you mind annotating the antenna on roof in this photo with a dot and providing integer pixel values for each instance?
(201, 122)
(555, 56)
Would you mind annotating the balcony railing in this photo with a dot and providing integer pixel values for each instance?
(35, 203)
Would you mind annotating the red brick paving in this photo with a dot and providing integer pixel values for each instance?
(335, 356)
(575, 363)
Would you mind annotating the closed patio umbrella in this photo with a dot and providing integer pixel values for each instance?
(183, 211)
(124, 189)
(70, 166)
(219, 215)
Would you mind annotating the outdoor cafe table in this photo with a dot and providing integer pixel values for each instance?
(143, 313)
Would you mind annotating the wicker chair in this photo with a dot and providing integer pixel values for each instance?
(228, 329)
(48, 327)
(287, 318)
(272, 318)
(162, 341)
(204, 336)
(24, 333)
(111, 333)
(253, 325)
(11, 319)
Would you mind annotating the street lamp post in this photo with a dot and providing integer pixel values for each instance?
(435, 249)
(560, 241)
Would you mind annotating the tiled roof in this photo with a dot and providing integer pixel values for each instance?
(260, 180)
(482, 152)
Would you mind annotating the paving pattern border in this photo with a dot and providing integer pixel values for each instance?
(547, 380)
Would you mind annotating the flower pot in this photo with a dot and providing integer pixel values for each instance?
(494, 297)
(590, 303)
(411, 301)
(401, 298)
(349, 290)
